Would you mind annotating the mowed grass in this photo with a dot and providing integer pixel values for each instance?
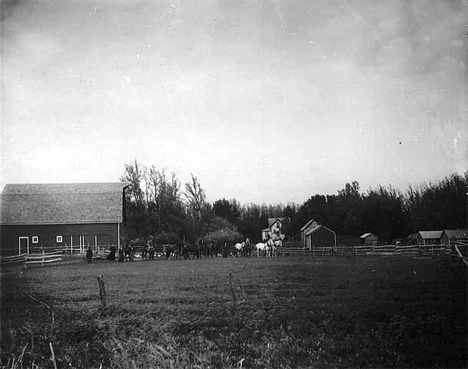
(286, 312)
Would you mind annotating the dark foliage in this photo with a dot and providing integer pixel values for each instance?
(155, 206)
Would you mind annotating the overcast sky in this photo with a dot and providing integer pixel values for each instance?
(264, 101)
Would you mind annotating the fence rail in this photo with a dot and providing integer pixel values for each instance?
(412, 250)
(43, 258)
(10, 260)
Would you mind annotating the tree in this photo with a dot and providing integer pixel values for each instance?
(196, 199)
(137, 220)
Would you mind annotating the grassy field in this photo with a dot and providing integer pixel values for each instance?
(290, 312)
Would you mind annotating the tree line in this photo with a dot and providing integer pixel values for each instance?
(158, 206)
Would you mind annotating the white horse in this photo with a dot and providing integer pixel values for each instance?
(271, 248)
(238, 247)
(260, 247)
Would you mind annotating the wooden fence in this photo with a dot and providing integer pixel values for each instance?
(461, 251)
(12, 260)
(416, 250)
(44, 258)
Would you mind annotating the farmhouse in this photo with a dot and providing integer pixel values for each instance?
(320, 236)
(429, 237)
(40, 216)
(369, 239)
(451, 235)
(275, 229)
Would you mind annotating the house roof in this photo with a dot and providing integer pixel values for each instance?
(456, 233)
(266, 230)
(365, 235)
(62, 203)
(272, 221)
(430, 234)
(317, 228)
(306, 225)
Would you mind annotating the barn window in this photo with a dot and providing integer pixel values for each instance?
(35, 239)
(58, 239)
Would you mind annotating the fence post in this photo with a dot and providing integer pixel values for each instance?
(102, 291)
(43, 256)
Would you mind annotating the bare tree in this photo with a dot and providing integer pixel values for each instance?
(196, 199)
(135, 174)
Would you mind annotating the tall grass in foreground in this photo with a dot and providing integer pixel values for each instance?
(232, 313)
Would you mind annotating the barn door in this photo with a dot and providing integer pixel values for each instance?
(23, 245)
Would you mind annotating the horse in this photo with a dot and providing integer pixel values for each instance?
(238, 248)
(173, 252)
(202, 249)
(261, 247)
(190, 249)
(129, 252)
(210, 249)
(272, 245)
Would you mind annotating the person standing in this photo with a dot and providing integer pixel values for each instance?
(89, 255)
(121, 254)
(151, 250)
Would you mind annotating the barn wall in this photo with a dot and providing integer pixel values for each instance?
(9, 236)
(370, 240)
(428, 241)
(321, 238)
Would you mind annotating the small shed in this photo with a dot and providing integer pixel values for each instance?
(451, 235)
(369, 239)
(411, 239)
(429, 237)
(320, 236)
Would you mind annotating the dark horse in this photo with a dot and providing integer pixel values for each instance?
(174, 251)
(210, 249)
(191, 250)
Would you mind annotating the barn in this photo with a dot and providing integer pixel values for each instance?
(451, 235)
(35, 217)
(320, 236)
(429, 237)
(311, 224)
(369, 239)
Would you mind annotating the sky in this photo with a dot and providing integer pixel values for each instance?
(264, 101)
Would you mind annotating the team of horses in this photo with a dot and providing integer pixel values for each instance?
(202, 249)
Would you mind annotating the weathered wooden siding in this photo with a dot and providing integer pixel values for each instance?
(107, 234)
(307, 229)
(320, 238)
(370, 240)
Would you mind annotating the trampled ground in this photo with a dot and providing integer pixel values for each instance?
(252, 313)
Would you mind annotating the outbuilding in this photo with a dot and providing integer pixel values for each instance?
(452, 235)
(306, 228)
(319, 236)
(37, 217)
(369, 239)
(429, 237)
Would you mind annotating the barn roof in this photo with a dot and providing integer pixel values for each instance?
(306, 225)
(317, 228)
(456, 233)
(430, 234)
(365, 235)
(62, 203)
